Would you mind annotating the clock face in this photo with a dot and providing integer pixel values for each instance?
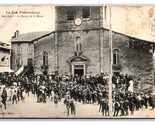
(78, 21)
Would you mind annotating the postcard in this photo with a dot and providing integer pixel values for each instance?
(77, 62)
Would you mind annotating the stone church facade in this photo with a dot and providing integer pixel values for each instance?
(80, 45)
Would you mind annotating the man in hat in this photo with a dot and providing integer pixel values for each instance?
(72, 106)
(4, 97)
(104, 107)
(14, 98)
(67, 103)
(126, 107)
(116, 106)
(56, 98)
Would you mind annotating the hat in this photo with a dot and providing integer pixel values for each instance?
(71, 100)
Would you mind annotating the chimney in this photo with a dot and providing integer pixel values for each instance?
(16, 34)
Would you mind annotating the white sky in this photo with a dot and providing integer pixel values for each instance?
(132, 21)
(9, 25)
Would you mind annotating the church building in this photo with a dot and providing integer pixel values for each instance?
(80, 45)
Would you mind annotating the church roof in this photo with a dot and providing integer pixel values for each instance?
(31, 36)
(131, 37)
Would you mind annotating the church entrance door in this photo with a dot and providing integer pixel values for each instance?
(79, 70)
(78, 65)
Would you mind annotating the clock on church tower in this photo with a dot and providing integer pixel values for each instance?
(78, 18)
(78, 21)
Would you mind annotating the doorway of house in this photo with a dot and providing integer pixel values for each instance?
(30, 62)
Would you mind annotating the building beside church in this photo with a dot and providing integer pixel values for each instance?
(80, 45)
(5, 57)
(22, 50)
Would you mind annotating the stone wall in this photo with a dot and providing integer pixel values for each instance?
(90, 47)
(135, 62)
(44, 44)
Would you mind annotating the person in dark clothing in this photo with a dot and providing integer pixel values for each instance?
(126, 107)
(14, 98)
(72, 106)
(116, 106)
(67, 103)
(145, 97)
(18, 94)
(121, 107)
(104, 107)
(89, 97)
(56, 98)
(151, 101)
(4, 97)
(44, 97)
(131, 106)
(100, 104)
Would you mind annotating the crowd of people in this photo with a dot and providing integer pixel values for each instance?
(88, 89)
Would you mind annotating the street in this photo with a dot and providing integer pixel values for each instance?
(31, 109)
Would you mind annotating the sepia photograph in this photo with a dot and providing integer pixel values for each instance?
(77, 62)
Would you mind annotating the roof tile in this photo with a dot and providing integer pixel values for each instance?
(28, 37)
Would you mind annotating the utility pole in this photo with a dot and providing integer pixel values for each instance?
(152, 24)
(110, 64)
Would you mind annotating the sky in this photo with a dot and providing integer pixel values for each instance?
(8, 25)
(134, 21)
(130, 20)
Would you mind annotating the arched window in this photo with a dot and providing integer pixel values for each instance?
(45, 58)
(78, 44)
(116, 56)
(77, 47)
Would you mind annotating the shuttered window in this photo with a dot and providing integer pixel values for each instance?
(86, 12)
(70, 13)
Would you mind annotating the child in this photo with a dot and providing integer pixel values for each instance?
(56, 100)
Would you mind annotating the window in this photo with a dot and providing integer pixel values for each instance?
(78, 44)
(19, 50)
(77, 47)
(70, 13)
(29, 49)
(29, 61)
(86, 12)
(115, 56)
(45, 58)
(18, 61)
